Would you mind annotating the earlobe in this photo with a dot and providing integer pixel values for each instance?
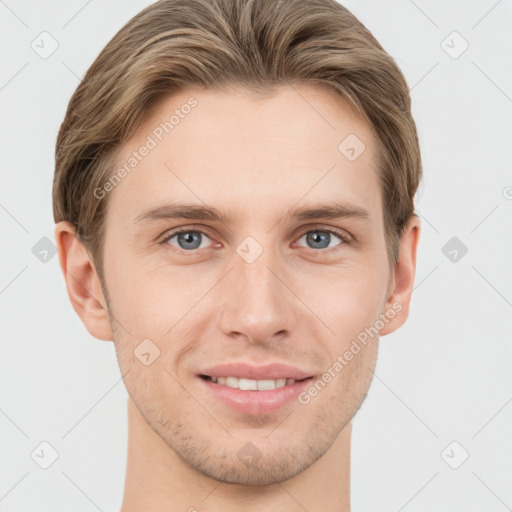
(82, 282)
(402, 282)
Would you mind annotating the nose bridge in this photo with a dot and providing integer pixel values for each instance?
(256, 304)
(255, 281)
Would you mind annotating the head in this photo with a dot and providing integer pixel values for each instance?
(254, 113)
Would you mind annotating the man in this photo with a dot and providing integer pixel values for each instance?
(233, 195)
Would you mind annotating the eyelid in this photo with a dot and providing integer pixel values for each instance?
(183, 229)
(340, 232)
(164, 239)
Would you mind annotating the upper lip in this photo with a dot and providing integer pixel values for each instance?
(269, 371)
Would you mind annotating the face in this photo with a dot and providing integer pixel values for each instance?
(263, 284)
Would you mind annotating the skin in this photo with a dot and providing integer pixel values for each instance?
(299, 302)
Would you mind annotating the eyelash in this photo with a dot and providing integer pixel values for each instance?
(346, 239)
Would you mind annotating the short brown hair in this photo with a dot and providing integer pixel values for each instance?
(254, 44)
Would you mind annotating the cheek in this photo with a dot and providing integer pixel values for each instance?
(351, 301)
(351, 350)
(149, 301)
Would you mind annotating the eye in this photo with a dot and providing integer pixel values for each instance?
(322, 237)
(187, 239)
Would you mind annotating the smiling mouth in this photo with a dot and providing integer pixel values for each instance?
(252, 384)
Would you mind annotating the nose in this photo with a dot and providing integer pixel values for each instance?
(256, 301)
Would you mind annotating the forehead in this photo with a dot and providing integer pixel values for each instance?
(229, 148)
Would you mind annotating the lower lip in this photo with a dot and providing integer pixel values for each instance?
(256, 402)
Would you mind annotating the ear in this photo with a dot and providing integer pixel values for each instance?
(402, 278)
(82, 282)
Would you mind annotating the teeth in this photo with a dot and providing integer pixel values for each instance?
(251, 384)
(264, 385)
(231, 382)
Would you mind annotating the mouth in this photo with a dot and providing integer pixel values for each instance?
(254, 397)
(245, 384)
(255, 390)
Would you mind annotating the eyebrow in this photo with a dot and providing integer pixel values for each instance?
(190, 211)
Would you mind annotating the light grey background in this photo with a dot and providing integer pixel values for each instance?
(443, 377)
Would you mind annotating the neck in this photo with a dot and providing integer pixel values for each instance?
(158, 480)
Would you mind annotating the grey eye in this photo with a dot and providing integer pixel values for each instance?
(188, 240)
(319, 238)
